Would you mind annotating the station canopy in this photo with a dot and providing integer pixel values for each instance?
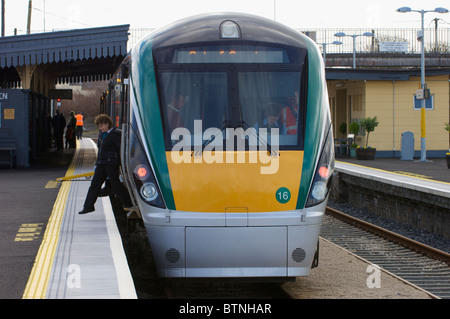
(62, 57)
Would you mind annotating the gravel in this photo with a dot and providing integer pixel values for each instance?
(425, 237)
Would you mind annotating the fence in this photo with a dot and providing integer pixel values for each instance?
(436, 40)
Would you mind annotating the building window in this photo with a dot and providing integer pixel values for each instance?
(357, 102)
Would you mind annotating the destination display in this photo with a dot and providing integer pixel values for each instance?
(230, 55)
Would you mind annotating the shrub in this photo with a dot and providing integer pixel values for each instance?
(369, 124)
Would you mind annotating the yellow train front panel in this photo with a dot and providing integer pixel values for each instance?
(235, 181)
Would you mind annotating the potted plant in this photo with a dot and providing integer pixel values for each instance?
(367, 153)
(343, 128)
(353, 128)
(353, 148)
(447, 156)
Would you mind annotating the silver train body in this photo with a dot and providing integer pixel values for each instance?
(237, 184)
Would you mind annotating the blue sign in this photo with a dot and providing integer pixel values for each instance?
(429, 103)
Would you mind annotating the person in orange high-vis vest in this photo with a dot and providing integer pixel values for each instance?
(80, 124)
(289, 116)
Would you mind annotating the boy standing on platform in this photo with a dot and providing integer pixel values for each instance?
(107, 165)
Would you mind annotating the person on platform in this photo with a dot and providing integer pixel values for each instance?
(80, 123)
(107, 165)
(70, 131)
(59, 124)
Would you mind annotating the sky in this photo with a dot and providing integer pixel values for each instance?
(79, 14)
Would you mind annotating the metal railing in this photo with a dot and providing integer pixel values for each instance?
(137, 34)
(436, 40)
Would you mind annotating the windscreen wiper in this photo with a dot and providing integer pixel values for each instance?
(245, 126)
(225, 124)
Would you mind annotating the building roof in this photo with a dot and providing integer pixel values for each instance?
(74, 53)
(380, 74)
(63, 46)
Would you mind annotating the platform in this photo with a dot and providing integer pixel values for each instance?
(81, 256)
(431, 176)
(414, 193)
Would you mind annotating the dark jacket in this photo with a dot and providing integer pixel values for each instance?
(73, 122)
(109, 148)
(59, 122)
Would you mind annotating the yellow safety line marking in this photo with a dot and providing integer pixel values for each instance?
(413, 175)
(52, 184)
(67, 178)
(382, 170)
(38, 281)
(28, 232)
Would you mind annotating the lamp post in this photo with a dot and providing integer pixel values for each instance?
(365, 34)
(324, 45)
(423, 151)
(274, 10)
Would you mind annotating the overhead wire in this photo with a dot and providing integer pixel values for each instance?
(61, 17)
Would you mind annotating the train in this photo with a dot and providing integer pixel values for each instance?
(227, 146)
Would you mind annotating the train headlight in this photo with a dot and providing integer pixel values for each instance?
(319, 190)
(143, 176)
(142, 172)
(324, 173)
(230, 30)
(149, 192)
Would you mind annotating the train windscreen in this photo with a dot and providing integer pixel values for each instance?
(205, 99)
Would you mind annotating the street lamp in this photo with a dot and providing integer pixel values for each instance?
(324, 45)
(365, 34)
(423, 152)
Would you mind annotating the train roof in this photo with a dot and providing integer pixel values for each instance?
(206, 28)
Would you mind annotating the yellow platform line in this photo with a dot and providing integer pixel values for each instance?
(395, 173)
(36, 287)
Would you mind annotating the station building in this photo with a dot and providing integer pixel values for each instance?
(391, 97)
(30, 68)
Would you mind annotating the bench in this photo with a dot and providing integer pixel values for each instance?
(342, 145)
(8, 145)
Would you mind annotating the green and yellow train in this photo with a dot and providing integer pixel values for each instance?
(227, 145)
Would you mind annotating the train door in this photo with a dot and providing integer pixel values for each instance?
(124, 125)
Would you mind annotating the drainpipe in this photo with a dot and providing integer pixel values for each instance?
(393, 118)
(3, 18)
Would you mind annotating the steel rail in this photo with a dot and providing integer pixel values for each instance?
(399, 239)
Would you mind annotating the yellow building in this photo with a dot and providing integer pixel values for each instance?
(391, 97)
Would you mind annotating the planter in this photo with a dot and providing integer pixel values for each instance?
(353, 152)
(365, 153)
(447, 158)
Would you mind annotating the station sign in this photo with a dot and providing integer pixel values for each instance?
(394, 47)
(429, 101)
(65, 94)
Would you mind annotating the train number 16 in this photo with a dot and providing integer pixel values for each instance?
(283, 195)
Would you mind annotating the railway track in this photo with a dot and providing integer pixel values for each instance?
(419, 264)
(223, 289)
